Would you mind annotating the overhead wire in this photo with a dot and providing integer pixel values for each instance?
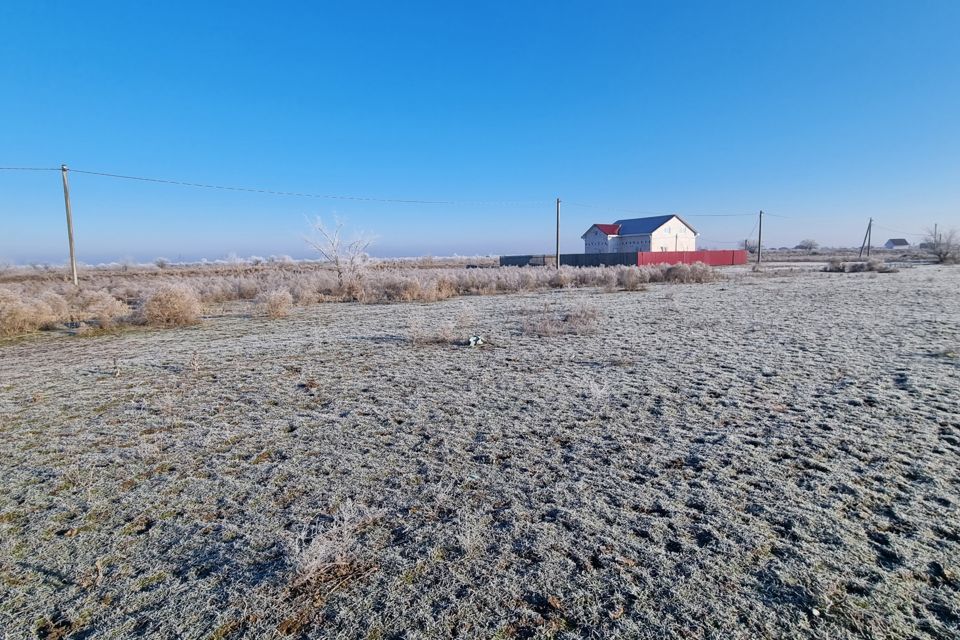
(299, 194)
(656, 213)
(275, 192)
(328, 196)
(906, 233)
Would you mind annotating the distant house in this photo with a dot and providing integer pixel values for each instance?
(896, 243)
(657, 233)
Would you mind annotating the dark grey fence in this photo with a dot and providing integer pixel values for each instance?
(570, 259)
(529, 261)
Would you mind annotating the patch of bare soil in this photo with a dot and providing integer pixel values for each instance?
(772, 455)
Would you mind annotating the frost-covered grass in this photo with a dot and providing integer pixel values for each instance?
(771, 455)
(30, 301)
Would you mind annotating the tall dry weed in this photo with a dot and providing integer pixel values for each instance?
(277, 304)
(172, 305)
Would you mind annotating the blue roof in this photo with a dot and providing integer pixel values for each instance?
(634, 226)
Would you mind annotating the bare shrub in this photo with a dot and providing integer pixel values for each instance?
(19, 315)
(172, 305)
(277, 303)
(701, 273)
(655, 273)
(402, 289)
(678, 273)
(303, 294)
(348, 258)
(632, 278)
(353, 290)
(57, 306)
(944, 246)
(697, 272)
(247, 289)
(444, 288)
(607, 278)
(560, 278)
(103, 307)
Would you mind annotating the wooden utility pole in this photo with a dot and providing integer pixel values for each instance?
(66, 202)
(866, 240)
(869, 236)
(760, 239)
(558, 234)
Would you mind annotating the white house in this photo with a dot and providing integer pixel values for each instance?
(658, 233)
(896, 243)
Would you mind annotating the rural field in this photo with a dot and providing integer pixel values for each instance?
(774, 454)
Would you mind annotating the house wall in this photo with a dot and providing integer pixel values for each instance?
(634, 243)
(595, 241)
(673, 236)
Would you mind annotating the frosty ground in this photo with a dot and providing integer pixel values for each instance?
(771, 455)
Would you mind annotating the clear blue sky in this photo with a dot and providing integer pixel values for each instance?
(825, 112)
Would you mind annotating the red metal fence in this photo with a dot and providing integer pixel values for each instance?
(713, 258)
(717, 258)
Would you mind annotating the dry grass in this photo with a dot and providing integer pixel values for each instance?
(875, 265)
(704, 463)
(172, 305)
(549, 321)
(277, 304)
(632, 279)
(22, 313)
(169, 296)
(18, 315)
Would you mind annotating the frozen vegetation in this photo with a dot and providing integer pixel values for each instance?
(773, 454)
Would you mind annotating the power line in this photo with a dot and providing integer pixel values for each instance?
(251, 189)
(657, 213)
(298, 194)
(907, 233)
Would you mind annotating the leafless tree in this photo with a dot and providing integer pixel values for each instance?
(945, 245)
(749, 245)
(348, 257)
(808, 245)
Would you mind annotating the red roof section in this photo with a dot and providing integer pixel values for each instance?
(609, 229)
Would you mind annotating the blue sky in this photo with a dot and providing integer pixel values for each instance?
(822, 113)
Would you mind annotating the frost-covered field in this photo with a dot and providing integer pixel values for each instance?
(772, 455)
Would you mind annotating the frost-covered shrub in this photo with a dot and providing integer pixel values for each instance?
(102, 307)
(19, 314)
(277, 303)
(172, 305)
